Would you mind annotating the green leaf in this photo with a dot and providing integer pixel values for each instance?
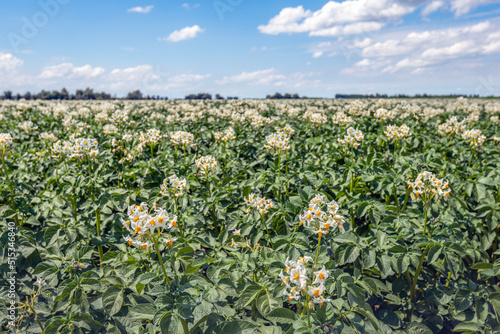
(112, 300)
(368, 315)
(170, 324)
(282, 315)
(296, 201)
(482, 266)
(266, 303)
(468, 326)
(433, 253)
(143, 312)
(248, 295)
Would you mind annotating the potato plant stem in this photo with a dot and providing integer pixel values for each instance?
(155, 242)
(408, 191)
(184, 324)
(97, 213)
(317, 252)
(308, 313)
(267, 230)
(415, 281)
(181, 230)
(471, 155)
(396, 197)
(425, 216)
(279, 175)
(36, 317)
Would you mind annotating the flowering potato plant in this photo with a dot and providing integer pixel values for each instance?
(250, 216)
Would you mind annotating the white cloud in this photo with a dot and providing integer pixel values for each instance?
(183, 34)
(339, 18)
(180, 82)
(348, 29)
(419, 41)
(418, 51)
(432, 7)
(461, 7)
(263, 48)
(11, 74)
(317, 54)
(9, 63)
(131, 73)
(271, 78)
(286, 21)
(188, 6)
(142, 10)
(352, 17)
(364, 66)
(262, 77)
(68, 70)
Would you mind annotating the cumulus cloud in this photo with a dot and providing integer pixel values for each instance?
(131, 76)
(461, 7)
(271, 78)
(432, 7)
(421, 49)
(180, 82)
(352, 17)
(141, 10)
(9, 63)
(261, 77)
(339, 18)
(183, 34)
(11, 73)
(68, 70)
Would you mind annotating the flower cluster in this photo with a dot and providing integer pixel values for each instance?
(109, 129)
(182, 138)
(474, 137)
(353, 138)
(315, 118)
(28, 126)
(261, 204)
(152, 136)
(278, 142)
(395, 133)
(61, 149)
(384, 114)
(142, 226)
(84, 147)
(119, 116)
(451, 126)
(341, 119)
(321, 216)
(49, 136)
(173, 185)
(427, 185)
(287, 130)
(206, 164)
(5, 140)
(297, 281)
(355, 108)
(225, 136)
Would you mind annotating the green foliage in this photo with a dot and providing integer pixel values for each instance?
(386, 274)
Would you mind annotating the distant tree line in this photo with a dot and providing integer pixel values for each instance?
(285, 96)
(199, 96)
(362, 96)
(219, 97)
(86, 94)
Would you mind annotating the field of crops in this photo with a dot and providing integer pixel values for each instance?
(254, 216)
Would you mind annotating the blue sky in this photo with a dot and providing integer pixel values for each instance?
(250, 48)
